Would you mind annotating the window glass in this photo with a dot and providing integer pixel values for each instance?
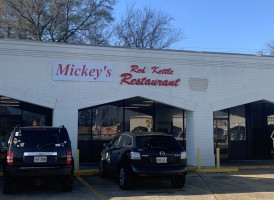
(221, 114)
(107, 121)
(9, 106)
(125, 141)
(84, 125)
(31, 118)
(128, 141)
(137, 121)
(5, 110)
(237, 123)
(40, 138)
(122, 141)
(269, 144)
(157, 142)
(115, 143)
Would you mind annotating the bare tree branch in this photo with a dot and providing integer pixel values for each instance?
(146, 28)
(55, 20)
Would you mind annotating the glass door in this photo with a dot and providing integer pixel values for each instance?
(221, 137)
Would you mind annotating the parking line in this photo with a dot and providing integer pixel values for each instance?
(100, 196)
(217, 196)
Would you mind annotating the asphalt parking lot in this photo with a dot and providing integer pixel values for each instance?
(246, 184)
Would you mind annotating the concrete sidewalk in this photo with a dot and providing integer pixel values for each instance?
(90, 169)
(87, 169)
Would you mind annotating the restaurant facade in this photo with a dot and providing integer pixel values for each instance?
(206, 100)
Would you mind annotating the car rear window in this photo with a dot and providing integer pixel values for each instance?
(163, 142)
(40, 138)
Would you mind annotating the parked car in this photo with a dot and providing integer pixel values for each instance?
(135, 156)
(38, 153)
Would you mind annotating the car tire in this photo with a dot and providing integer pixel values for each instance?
(178, 182)
(68, 183)
(8, 185)
(102, 170)
(124, 178)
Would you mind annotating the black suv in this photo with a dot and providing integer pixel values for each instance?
(37, 153)
(134, 156)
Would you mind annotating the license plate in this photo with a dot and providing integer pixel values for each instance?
(161, 160)
(40, 159)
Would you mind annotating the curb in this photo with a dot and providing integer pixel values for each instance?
(220, 170)
(214, 169)
(255, 167)
(226, 169)
(86, 172)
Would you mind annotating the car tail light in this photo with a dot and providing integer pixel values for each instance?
(183, 155)
(10, 155)
(69, 157)
(142, 174)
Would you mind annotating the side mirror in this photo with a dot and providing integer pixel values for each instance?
(105, 145)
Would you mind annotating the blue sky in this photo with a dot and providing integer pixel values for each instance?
(232, 26)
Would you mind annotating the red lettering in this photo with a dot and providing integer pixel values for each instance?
(91, 72)
(135, 68)
(177, 82)
(160, 82)
(125, 78)
(154, 82)
(60, 68)
(133, 81)
(147, 82)
(138, 82)
(108, 73)
(154, 69)
(71, 70)
(143, 79)
(75, 72)
(162, 71)
(99, 71)
(84, 71)
(171, 83)
(165, 83)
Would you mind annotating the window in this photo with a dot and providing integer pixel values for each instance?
(128, 141)
(125, 141)
(114, 143)
(162, 142)
(237, 123)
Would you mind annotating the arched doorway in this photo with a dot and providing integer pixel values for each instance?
(14, 112)
(245, 131)
(99, 124)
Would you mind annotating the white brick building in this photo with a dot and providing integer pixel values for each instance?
(216, 92)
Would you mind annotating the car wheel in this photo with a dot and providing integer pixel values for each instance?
(102, 170)
(68, 183)
(124, 178)
(8, 186)
(179, 182)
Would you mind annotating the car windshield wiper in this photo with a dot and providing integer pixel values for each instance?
(43, 146)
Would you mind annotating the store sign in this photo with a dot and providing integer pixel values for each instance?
(150, 76)
(71, 71)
